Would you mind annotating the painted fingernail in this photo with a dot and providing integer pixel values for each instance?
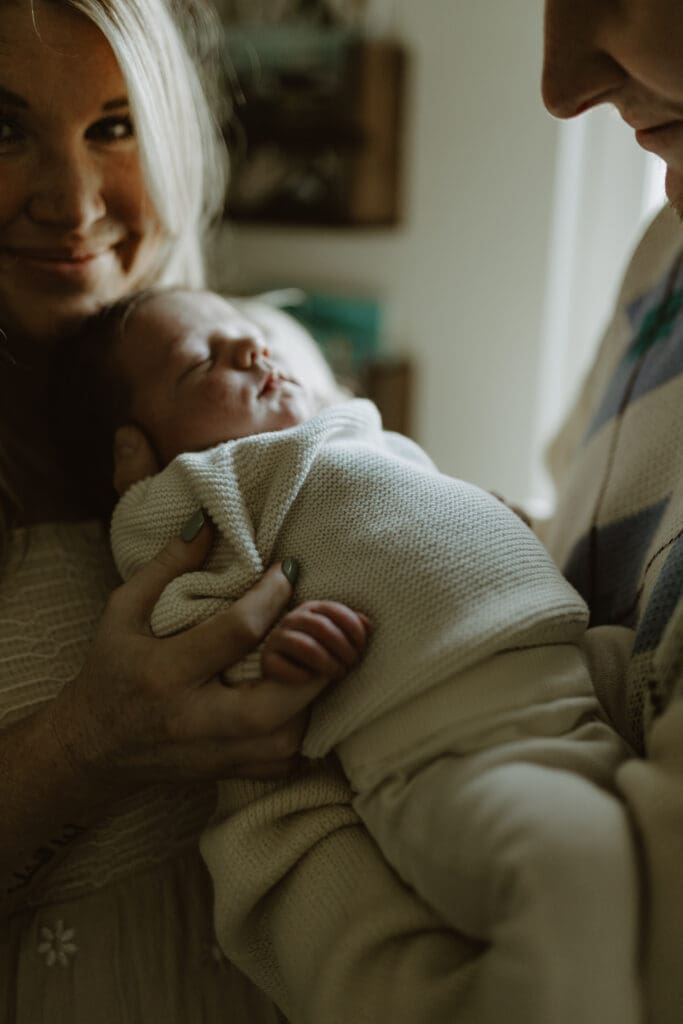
(193, 526)
(290, 568)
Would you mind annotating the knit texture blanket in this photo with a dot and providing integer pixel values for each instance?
(447, 575)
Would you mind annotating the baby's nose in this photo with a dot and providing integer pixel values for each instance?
(249, 351)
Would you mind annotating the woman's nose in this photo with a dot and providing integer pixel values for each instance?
(578, 71)
(67, 191)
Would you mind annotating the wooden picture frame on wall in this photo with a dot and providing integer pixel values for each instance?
(317, 135)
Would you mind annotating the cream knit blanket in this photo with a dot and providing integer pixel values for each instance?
(447, 575)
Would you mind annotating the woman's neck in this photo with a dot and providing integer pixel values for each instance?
(30, 457)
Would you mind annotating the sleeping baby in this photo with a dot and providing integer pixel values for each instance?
(469, 730)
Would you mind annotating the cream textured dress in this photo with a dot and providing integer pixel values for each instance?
(120, 930)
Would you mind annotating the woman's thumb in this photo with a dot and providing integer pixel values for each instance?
(184, 553)
(134, 458)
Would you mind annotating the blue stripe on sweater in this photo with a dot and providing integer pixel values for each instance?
(618, 557)
(657, 326)
(665, 596)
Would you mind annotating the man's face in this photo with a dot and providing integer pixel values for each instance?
(630, 54)
(200, 374)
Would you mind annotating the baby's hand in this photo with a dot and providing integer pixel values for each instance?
(317, 640)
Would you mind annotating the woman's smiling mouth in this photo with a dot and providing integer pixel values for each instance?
(70, 264)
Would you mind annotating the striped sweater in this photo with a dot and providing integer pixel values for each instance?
(618, 535)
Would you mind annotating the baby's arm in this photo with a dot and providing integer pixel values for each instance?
(318, 639)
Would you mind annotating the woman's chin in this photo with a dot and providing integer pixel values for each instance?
(40, 320)
(43, 300)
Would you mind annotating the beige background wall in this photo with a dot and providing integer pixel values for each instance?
(464, 280)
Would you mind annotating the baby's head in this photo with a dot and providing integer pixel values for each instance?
(187, 368)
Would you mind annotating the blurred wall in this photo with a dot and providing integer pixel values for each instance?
(463, 278)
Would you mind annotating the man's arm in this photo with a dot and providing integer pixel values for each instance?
(653, 790)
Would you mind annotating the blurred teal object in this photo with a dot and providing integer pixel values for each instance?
(280, 49)
(348, 329)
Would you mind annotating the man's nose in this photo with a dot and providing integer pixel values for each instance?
(578, 71)
(66, 192)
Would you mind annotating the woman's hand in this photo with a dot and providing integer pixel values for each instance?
(319, 640)
(146, 709)
(134, 458)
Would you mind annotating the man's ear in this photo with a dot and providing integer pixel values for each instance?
(134, 458)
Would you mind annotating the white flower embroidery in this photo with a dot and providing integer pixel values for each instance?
(57, 945)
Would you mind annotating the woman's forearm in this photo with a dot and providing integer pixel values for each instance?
(48, 797)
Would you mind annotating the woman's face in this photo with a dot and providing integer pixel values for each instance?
(77, 229)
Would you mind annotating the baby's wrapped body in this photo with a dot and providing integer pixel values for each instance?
(470, 732)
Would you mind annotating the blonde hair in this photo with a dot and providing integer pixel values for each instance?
(167, 51)
(183, 158)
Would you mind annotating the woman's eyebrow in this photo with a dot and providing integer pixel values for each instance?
(116, 104)
(9, 98)
(12, 98)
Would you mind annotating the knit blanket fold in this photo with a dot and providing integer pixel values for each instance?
(447, 575)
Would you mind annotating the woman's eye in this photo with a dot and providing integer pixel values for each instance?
(111, 129)
(10, 133)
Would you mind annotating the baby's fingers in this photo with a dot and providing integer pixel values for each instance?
(324, 637)
(277, 666)
(219, 642)
(340, 630)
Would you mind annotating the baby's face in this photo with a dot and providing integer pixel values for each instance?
(200, 374)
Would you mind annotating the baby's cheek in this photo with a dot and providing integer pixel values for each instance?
(212, 388)
(217, 394)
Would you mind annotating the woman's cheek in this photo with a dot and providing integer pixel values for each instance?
(129, 206)
(12, 199)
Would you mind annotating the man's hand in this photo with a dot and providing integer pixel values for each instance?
(319, 640)
(517, 509)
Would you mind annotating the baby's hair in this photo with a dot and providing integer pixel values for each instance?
(91, 399)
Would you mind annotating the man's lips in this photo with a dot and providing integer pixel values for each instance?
(659, 138)
(654, 135)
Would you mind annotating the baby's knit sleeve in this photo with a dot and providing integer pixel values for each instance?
(306, 906)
